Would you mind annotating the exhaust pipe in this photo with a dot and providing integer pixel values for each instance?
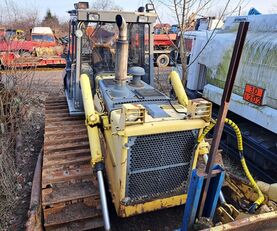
(121, 62)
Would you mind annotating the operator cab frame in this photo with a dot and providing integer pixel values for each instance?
(91, 49)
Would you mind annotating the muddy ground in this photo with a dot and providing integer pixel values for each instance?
(49, 81)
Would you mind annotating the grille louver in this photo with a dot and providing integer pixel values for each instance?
(159, 165)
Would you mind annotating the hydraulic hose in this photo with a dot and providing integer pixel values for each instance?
(261, 198)
(236, 129)
(206, 131)
(238, 133)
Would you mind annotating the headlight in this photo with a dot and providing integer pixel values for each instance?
(149, 7)
(81, 5)
(93, 17)
(78, 33)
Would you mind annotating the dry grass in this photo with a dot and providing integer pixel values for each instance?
(22, 96)
(16, 96)
(8, 178)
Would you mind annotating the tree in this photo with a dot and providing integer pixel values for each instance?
(105, 5)
(50, 20)
(14, 15)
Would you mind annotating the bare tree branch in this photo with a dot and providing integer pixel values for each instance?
(105, 5)
(210, 37)
(185, 12)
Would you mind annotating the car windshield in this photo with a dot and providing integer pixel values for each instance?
(43, 38)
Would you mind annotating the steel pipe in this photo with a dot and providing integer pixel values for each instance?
(121, 61)
(103, 198)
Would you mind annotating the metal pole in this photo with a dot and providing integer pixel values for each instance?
(231, 76)
(34, 219)
(150, 74)
(76, 80)
(121, 60)
(105, 211)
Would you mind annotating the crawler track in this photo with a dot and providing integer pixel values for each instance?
(70, 197)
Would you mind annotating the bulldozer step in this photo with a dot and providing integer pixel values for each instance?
(70, 196)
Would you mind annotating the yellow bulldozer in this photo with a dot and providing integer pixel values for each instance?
(114, 135)
(113, 121)
(113, 132)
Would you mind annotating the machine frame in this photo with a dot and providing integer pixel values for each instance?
(79, 16)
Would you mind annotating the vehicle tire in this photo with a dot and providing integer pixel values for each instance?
(162, 60)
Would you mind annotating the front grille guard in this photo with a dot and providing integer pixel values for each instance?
(159, 165)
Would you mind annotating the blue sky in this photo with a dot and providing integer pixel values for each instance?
(59, 7)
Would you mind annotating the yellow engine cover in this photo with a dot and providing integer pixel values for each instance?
(148, 160)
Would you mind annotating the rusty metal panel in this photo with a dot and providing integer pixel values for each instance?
(265, 222)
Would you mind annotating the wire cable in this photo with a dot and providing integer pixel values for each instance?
(180, 112)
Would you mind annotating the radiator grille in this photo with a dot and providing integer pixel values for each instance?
(159, 165)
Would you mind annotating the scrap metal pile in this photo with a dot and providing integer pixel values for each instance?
(42, 50)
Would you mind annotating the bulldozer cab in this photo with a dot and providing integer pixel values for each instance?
(91, 50)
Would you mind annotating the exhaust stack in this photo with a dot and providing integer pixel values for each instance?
(121, 62)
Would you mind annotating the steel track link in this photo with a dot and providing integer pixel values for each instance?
(70, 197)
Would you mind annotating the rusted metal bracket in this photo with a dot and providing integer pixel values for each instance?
(231, 76)
(264, 221)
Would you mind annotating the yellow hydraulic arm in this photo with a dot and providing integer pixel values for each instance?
(92, 120)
